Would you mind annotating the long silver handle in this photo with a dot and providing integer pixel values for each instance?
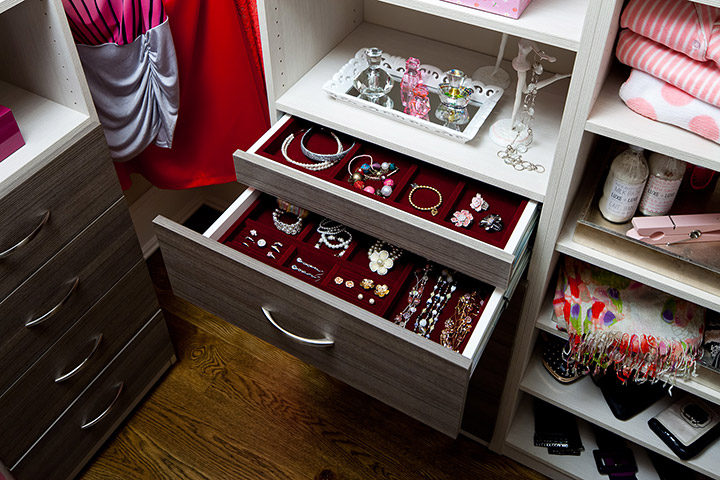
(310, 342)
(56, 308)
(107, 410)
(27, 239)
(82, 364)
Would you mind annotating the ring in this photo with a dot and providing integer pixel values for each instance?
(492, 223)
(279, 244)
(462, 218)
(270, 254)
(250, 238)
(253, 233)
(478, 203)
(261, 243)
(245, 243)
(274, 247)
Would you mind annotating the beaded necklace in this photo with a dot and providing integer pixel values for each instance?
(414, 297)
(440, 295)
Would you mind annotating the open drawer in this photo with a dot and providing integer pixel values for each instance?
(490, 256)
(327, 323)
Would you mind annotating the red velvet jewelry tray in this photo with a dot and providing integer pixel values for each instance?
(295, 254)
(456, 191)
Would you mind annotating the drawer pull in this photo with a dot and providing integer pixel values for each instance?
(82, 364)
(56, 308)
(27, 239)
(311, 342)
(107, 410)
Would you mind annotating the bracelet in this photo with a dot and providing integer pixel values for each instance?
(381, 261)
(308, 166)
(324, 157)
(460, 323)
(369, 171)
(433, 210)
(289, 228)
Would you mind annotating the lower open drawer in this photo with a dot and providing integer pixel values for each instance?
(322, 319)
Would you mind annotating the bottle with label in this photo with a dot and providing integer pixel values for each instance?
(666, 174)
(624, 185)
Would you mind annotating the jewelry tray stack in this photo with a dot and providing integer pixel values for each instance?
(255, 234)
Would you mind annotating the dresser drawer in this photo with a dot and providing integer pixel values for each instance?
(58, 294)
(489, 256)
(66, 446)
(30, 406)
(45, 211)
(413, 374)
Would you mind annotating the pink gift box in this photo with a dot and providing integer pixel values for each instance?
(10, 137)
(507, 8)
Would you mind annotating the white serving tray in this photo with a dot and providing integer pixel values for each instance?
(484, 98)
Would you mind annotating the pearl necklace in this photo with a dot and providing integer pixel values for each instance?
(439, 297)
(330, 233)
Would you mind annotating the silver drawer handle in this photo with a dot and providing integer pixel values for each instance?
(82, 364)
(56, 308)
(310, 342)
(27, 239)
(107, 410)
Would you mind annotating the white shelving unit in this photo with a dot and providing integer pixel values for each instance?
(306, 42)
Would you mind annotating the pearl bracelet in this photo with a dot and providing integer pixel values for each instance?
(307, 166)
(289, 228)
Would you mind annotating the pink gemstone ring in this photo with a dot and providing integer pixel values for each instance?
(462, 218)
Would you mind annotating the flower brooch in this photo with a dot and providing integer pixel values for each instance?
(463, 218)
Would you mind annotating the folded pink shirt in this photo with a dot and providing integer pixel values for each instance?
(699, 79)
(686, 27)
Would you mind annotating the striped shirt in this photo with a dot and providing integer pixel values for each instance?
(95, 22)
(699, 79)
(683, 26)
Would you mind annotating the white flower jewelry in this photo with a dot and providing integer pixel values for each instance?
(382, 260)
(479, 204)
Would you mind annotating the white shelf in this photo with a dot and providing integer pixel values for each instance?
(580, 467)
(476, 159)
(644, 265)
(6, 5)
(611, 118)
(44, 124)
(552, 22)
(583, 399)
(712, 3)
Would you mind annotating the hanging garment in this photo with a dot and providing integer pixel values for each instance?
(95, 22)
(127, 52)
(222, 93)
(660, 101)
(699, 79)
(686, 27)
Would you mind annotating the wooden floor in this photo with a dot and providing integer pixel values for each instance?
(234, 407)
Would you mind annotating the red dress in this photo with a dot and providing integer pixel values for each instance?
(222, 95)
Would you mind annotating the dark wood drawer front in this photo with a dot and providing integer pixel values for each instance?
(420, 378)
(66, 447)
(97, 258)
(75, 188)
(30, 406)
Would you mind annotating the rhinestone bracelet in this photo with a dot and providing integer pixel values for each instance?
(324, 157)
(289, 228)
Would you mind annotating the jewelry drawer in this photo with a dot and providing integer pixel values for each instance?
(324, 323)
(77, 434)
(38, 397)
(490, 256)
(45, 211)
(47, 304)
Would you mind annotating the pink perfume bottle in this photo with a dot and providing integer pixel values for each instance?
(419, 105)
(411, 78)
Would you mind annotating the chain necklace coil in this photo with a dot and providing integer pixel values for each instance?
(459, 324)
(414, 297)
(434, 305)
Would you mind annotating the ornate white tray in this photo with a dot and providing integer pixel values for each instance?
(483, 100)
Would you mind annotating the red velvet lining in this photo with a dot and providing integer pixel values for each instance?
(353, 265)
(457, 191)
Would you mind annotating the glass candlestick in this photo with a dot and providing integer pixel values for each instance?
(373, 84)
(411, 78)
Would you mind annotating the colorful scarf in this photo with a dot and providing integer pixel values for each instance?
(644, 333)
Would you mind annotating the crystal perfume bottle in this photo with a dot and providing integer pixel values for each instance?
(419, 104)
(454, 99)
(374, 83)
(411, 78)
